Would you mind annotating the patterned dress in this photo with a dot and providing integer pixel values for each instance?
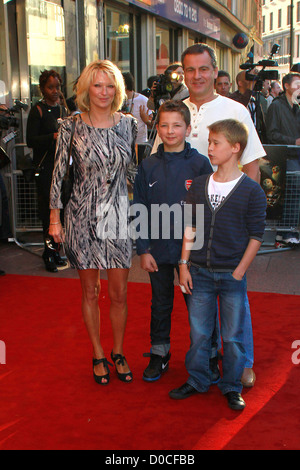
(96, 216)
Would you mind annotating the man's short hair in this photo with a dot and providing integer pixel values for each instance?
(223, 73)
(200, 48)
(288, 78)
(175, 106)
(241, 76)
(235, 132)
(273, 84)
(129, 81)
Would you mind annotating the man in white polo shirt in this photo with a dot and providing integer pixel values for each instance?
(206, 107)
(200, 71)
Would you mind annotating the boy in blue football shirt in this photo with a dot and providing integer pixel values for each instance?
(164, 178)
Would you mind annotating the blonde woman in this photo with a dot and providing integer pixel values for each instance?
(96, 222)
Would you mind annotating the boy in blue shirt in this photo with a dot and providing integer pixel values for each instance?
(164, 178)
(234, 222)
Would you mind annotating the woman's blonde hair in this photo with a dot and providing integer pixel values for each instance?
(88, 76)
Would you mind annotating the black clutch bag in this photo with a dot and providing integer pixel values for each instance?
(68, 181)
(4, 158)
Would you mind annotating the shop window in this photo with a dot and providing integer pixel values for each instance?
(193, 39)
(91, 31)
(220, 56)
(118, 38)
(162, 48)
(45, 41)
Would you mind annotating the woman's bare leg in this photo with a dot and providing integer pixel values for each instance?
(90, 284)
(117, 290)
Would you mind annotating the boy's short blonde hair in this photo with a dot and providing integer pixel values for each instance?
(235, 132)
(88, 76)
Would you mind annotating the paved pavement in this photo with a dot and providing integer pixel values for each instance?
(277, 272)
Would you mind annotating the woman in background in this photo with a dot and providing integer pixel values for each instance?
(42, 129)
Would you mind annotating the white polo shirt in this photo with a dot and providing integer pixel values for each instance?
(216, 110)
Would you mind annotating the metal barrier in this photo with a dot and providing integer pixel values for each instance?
(23, 202)
(290, 218)
(24, 207)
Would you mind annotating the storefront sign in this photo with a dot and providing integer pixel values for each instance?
(184, 12)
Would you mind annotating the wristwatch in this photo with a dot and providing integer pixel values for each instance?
(183, 261)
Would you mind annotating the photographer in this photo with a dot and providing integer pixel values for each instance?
(173, 78)
(243, 93)
(247, 95)
(257, 105)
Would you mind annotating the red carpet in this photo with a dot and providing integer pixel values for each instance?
(49, 400)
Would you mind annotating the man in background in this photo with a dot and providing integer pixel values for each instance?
(223, 83)
(243, 93)
(283, 128)
(275, 91)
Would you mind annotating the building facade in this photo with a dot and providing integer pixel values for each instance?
(281, 25)
(140, 36)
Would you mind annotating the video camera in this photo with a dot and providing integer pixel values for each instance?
(164, 87)
(7, 118)
(263, 74)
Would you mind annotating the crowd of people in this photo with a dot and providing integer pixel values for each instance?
(206, 152)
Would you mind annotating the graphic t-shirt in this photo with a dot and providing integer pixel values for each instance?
(217, 192)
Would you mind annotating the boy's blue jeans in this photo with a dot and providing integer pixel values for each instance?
(207, 288)
(248, 336)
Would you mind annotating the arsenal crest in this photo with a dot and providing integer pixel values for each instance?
(188, 184)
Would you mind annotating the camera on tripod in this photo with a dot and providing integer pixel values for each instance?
(164, 87)
(262, 75)
(7, 116)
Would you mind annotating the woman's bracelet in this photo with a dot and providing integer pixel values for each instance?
(56, 223)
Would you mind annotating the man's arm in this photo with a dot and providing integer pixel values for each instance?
(252, 170)
(254, 149)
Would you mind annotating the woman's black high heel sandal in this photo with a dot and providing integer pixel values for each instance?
(99, 378)
(120, 360)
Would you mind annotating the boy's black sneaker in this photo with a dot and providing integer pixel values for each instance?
(157, 366)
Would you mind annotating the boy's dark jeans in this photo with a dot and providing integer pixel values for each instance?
(162, 283)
